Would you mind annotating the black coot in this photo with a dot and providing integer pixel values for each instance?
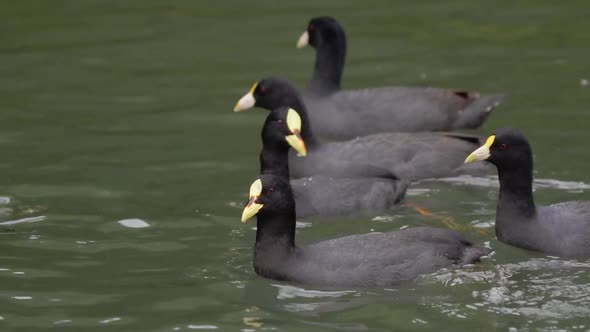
(373, 259)
(345, 114)
(323, 195)
(410, 156)
(561, 229)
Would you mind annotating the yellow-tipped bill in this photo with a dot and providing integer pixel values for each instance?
(303, 40)
(295, 140)
(483, 152)
(252, 207)
(247, 101)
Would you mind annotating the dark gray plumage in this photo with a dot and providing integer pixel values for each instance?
(329, 196)
(373, 259)
(561, 229)
(345, 114)
(408, 156)
(326, 195)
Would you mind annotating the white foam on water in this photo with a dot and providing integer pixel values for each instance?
(133, 223)
(235, 204)
(539, 288)
(109, 320)
(202, 327)
(385, 218)
(23, 220)
(302, 224)
(412, 192)
(492, 181)
(289, 292)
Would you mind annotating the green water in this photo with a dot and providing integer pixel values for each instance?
(114, 110)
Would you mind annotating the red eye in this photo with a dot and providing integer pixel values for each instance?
(262, 90)
(503, 146)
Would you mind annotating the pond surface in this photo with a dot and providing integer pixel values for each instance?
(124, 170)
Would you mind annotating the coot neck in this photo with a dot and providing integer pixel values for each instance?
(329, 65)
(516, 194)
(274, 159)
(276, 231)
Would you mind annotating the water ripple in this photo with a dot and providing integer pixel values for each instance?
(538, 288)
(23, 220)
(492, 181)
